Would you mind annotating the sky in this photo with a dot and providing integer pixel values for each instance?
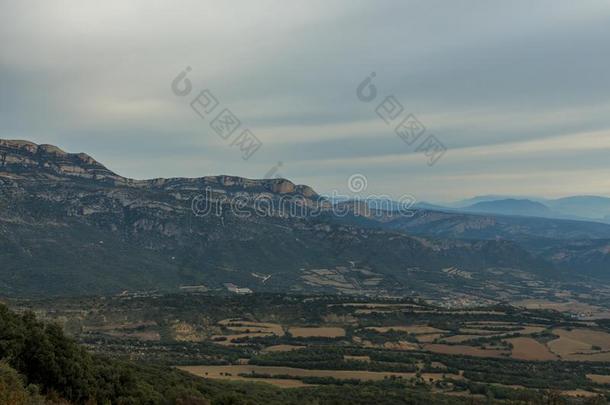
(518, 93)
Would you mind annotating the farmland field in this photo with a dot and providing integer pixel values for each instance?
(464, 350)
(581, 345)
(238, 372)
(317, 332)
(525, 348)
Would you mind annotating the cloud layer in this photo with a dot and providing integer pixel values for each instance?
(519, 92)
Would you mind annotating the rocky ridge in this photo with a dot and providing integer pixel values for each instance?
(22, 159)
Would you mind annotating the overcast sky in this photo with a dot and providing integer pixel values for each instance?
(517, 91)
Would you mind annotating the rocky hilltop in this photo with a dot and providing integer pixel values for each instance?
(24, 159)
(21, 158)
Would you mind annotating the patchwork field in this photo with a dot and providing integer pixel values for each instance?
(571, 306)
(460, 338)
(400, 345)
(598, 378)
(604, 356)
(281, 348)
(331, 332)
(525, 348)
(413, 329)
(428, 338)
(465, 350)
(232, 339)
(258, 327)
(581, 345)
(292, 341)
(357, 358)
(241, 372)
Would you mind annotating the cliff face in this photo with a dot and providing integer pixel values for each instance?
(24, 159)
(37, 179)
(76, 185)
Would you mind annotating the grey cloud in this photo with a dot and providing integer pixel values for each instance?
(95, 77)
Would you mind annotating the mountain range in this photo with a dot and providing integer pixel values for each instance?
(69, 225)
(588, 208)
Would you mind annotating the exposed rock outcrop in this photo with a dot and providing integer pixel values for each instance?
(18, 157)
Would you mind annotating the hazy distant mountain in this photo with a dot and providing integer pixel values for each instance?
(581, 247)
(588, 208)
(584, 208)
(592, 207)
(522, 229)
(481, 198)
(428, 206)
(511, 207)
